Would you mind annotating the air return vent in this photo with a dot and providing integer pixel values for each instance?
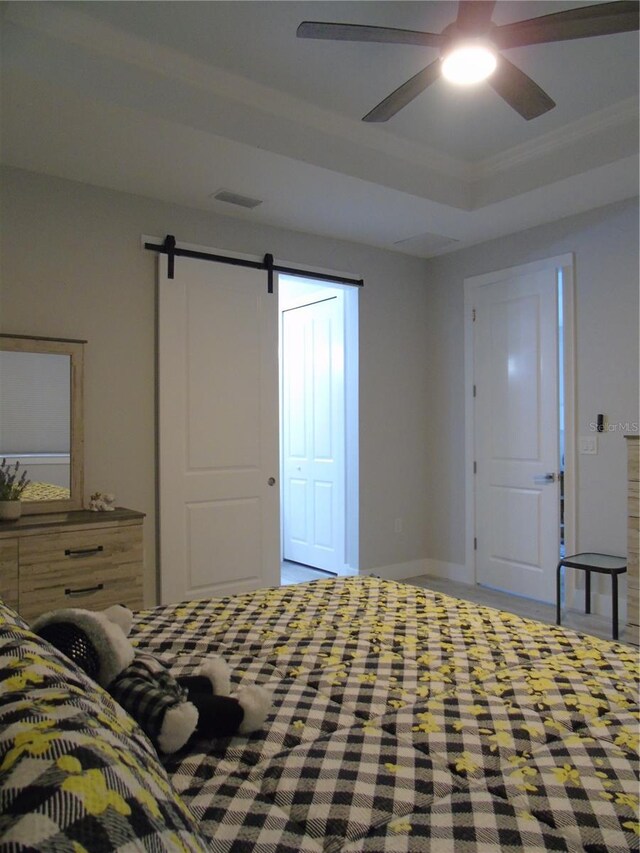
(234, 198)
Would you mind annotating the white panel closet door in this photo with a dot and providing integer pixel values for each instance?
(218, 430)
(313, 434)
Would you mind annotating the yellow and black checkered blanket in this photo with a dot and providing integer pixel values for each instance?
(45, 492)
(406, 720)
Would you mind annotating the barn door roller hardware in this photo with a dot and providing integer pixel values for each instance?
(172, 251)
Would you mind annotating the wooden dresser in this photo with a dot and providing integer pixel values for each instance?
(633, 605)
(73, 559)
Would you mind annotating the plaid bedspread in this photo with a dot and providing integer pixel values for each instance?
(406, 720)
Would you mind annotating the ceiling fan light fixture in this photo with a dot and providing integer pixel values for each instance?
(469, 62)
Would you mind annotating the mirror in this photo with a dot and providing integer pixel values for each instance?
(41, 421)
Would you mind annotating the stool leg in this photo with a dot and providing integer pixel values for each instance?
(587, 593)
(558, 585)
(614, 604)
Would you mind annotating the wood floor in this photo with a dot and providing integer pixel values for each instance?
(597, 626)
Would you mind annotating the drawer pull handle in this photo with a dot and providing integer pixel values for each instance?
(83, 552)
(87, 590)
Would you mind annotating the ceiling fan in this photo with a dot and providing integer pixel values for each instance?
(474, 32)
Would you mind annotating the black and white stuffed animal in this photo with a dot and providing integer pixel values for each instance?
(169, 709)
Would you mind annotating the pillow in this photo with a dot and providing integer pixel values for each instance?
(76, 771)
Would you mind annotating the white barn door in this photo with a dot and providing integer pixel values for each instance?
(218, 430)
(517, 503)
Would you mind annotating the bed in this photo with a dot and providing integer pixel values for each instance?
(403, 720)
(45, 492)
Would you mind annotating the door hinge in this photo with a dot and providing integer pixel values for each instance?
(474, 390)
(475, 544)
(473, 315)
(475, 467)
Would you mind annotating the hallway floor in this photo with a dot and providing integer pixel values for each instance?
(297, 573)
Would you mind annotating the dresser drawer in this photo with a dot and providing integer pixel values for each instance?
(632, 633)
(90, 568)
(82, 549)
(93, 591)
(9, 571)
(633, 545)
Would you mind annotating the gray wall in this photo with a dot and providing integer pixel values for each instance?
(73, 266)
(605, 247)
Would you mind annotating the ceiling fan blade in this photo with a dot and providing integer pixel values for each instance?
(404, 94)
(474, 16)
(361, 32)
(585, 22)
(519, 90)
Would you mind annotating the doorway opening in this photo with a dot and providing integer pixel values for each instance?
(318, 348)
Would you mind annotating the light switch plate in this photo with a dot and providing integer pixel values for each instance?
(588, 444)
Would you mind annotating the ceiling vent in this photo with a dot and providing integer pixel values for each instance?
(234, 198)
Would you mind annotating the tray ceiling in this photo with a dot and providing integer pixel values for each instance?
(174, 100)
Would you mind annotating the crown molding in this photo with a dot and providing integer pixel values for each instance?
(617, 115)
(67, 24)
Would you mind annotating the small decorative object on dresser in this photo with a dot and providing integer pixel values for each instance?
(102, 502)
(10, 510)
(633, 582)
(72, 559)
(13, 482)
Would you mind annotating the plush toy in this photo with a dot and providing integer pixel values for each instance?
(102, 502)
(169, 709)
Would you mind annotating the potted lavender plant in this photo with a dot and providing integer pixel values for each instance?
(12, 485)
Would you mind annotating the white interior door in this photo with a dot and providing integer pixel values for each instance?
(218, 430)
(516, 434)
(313, 434)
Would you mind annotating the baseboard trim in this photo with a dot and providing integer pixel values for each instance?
(346, 572)
(451, 571)
(601, 604)
(425, 566)
(398, 571)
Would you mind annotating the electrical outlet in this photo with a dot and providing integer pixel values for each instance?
(588, 444)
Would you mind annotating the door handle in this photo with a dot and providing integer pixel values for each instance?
(545, 478)
(271, 481)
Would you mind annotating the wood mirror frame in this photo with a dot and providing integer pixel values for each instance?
(75, 350)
